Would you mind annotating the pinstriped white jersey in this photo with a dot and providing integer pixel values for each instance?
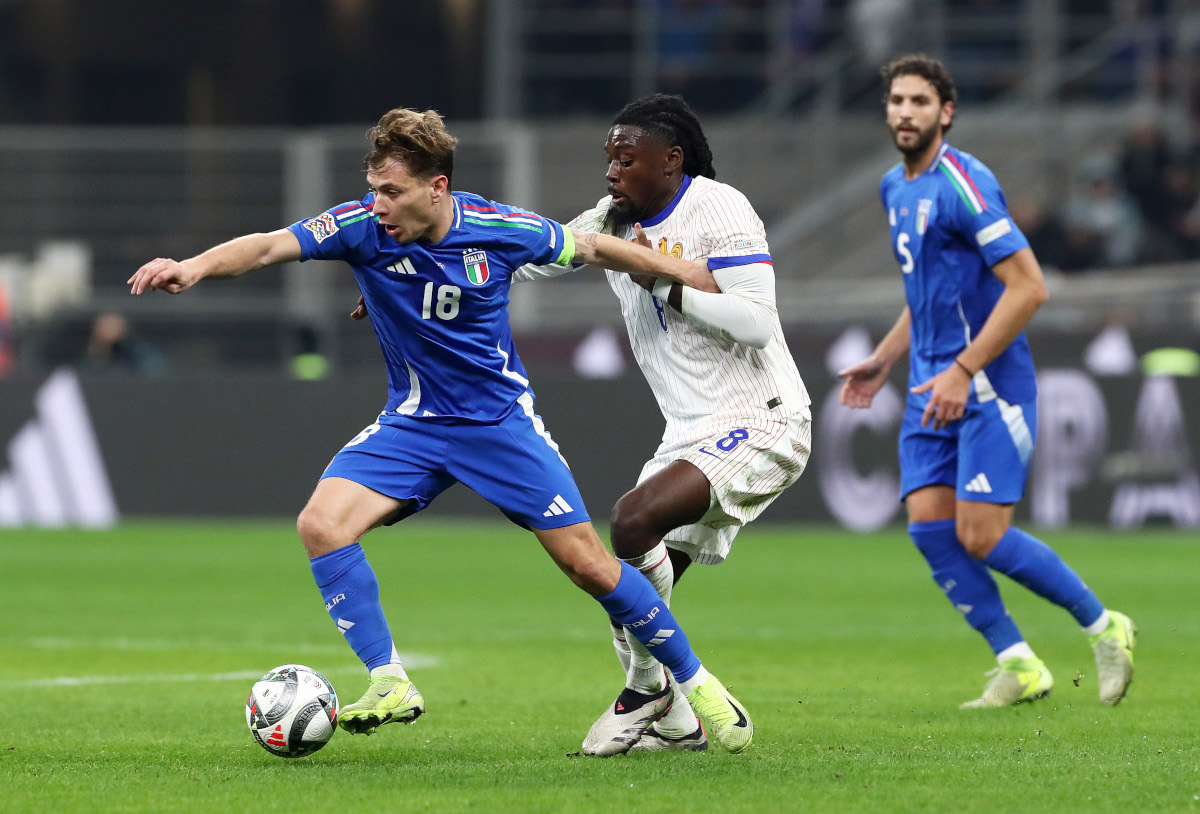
(701, 377)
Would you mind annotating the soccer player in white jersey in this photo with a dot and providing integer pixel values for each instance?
(969, 426)
(434, 267)
(738, 427)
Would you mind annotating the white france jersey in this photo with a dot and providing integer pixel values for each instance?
(700, 376)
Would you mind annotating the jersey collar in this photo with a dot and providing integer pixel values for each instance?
(938, 158)
(663, 215)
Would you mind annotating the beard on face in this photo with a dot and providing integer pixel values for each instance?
(924, 139)
(619, 219)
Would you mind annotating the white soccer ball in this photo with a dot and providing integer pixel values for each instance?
(292, 711)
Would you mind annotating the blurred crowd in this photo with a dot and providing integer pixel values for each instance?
(1137, 205)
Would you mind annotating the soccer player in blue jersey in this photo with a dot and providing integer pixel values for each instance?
(434, 267)
(966, 440)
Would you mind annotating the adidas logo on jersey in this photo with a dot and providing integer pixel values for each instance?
(559, 506)
(980, 484)
(56, 476)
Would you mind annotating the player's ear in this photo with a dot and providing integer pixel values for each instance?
(947, 114)
(672, 160)
(439, 186)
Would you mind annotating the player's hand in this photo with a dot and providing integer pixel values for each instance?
(163, 274)
(697, 276)
(639, 237)
(360, 310)
(863, 381)
(948, 394)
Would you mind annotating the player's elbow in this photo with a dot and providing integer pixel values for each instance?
(1035, 296)
(757, 336)
(759, 326)
(1041, 294)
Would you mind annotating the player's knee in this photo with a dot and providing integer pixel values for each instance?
(318, 532)
(595, 575)
(631, 527)
(977, 538)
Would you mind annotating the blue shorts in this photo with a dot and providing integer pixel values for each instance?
(985, 456)
(513, 464)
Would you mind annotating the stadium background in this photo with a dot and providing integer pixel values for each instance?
(130, 130)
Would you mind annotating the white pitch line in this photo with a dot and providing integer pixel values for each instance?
(56, 643)
(411, 661)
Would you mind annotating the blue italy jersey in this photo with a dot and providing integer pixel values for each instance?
(440, 310)
(949, 226)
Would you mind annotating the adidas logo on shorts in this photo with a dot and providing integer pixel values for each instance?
(559, 506)
(979, 483)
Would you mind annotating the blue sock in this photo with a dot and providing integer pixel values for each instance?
(1038, 567)
(635, 604)
(351, 593)
(966, 583)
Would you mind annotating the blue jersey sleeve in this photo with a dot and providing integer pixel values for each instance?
(345, 232)
(557, 247)
(980, 211)
(527, 237)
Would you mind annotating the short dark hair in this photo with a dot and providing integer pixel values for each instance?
(419, 140)
(672, 121)
(927, 68)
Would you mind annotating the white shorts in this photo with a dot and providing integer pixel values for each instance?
(747, 465)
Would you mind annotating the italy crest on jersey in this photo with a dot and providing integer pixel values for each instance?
(477, 267)
(923, 208)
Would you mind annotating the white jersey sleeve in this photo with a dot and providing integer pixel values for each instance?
(745, 308)
(735, 242)
(733, 233)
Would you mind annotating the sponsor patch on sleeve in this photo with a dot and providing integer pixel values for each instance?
(989, 233)
(749, 245)
(323, 226)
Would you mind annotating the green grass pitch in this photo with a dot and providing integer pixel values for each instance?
(126, 658)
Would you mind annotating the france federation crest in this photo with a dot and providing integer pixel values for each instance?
(477, 267)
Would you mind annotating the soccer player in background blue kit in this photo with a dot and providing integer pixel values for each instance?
(966, 441)
(434, 268)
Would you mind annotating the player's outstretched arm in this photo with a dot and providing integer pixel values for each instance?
(865, 379)
(229, 259)
(613, 253)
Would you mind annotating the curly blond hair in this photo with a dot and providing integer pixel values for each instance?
(419, 140)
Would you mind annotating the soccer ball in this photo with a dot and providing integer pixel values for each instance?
(292, 711)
